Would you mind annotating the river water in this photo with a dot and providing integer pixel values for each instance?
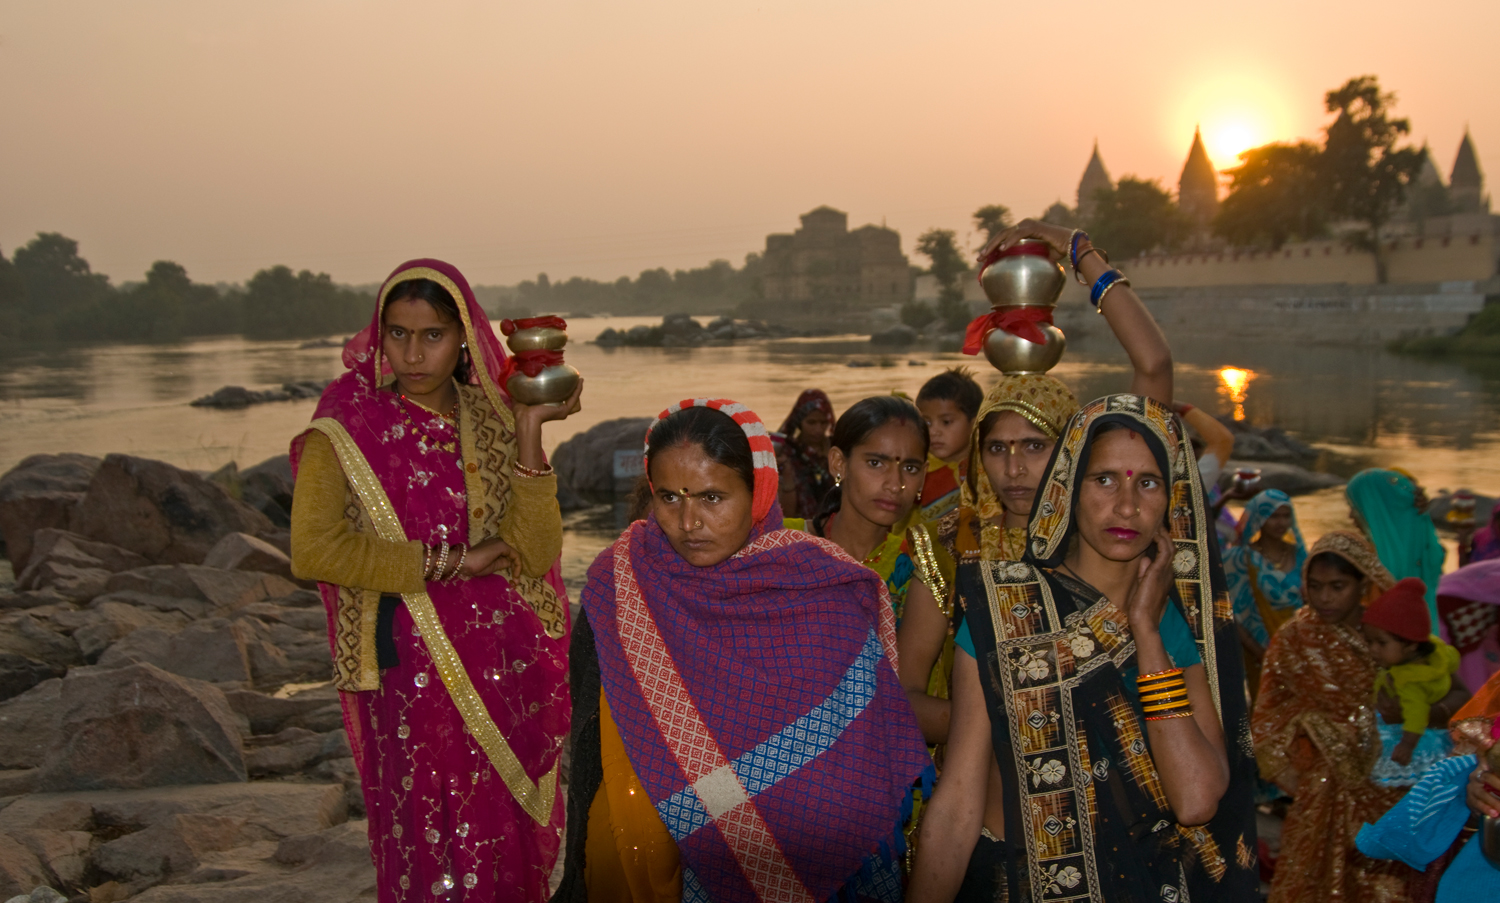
(1361, 406)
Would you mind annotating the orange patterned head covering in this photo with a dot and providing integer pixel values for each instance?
(1042, 400)
(1355, 549)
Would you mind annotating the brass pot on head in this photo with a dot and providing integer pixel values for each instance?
(552, 386)
(1024, 276)
(1012, 355)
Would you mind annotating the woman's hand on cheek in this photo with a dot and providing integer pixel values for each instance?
(1148, 600)
(1484, 790)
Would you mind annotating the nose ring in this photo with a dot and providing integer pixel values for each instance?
(697, 524)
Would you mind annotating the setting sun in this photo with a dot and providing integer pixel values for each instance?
(1234, 110)
(1229, 132)
(1233, 386)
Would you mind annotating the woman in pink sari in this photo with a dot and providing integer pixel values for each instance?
(426, 510)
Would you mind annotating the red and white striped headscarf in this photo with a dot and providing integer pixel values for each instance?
(763, 454)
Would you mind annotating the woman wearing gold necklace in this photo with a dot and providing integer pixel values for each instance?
(878, 459)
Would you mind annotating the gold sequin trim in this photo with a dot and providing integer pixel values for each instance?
(536, 798)
(927, 568)
(1031, 413)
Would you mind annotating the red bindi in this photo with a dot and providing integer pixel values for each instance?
(1129, 473)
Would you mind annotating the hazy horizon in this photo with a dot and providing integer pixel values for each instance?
(593, 140)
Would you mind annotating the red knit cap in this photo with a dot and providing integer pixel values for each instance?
(1402, 611)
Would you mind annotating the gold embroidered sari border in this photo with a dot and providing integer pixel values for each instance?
(538, 798)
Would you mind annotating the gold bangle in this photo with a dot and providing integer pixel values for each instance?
(1186, 714)
(1165, 696)
(521, 470)
(1086, 252)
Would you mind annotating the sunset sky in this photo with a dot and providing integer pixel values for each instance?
(599, 139)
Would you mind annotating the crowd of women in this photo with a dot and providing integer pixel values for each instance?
(980, 645)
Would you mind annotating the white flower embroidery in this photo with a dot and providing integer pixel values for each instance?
(1184, 562)
(1082, 646)
(1068, 876)
(1052, 772)
(1033, 666)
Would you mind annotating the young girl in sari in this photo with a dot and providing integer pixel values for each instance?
(1102, 675)
(739, 733)
(1315, 731)
(878, 459)
(427, 513)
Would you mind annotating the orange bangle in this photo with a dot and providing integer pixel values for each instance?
(1185, 714)
(1170, 672)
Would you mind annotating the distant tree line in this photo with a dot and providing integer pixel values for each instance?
(716, 288)
(48, 292)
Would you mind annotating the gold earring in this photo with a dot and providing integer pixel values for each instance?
(838, 480)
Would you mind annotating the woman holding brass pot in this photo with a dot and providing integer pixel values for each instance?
(428, 515)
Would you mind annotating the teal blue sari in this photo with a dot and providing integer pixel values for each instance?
(1384, 502)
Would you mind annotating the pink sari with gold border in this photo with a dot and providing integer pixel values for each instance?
(458, 744)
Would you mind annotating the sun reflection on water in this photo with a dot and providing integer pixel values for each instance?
(1234, 384)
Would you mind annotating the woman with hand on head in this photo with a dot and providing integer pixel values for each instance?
(1102, 675)
(739, 732)
(427, 513)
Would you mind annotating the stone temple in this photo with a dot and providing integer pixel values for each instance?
(824, 261)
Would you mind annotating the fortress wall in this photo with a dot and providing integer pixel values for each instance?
(1439, 259)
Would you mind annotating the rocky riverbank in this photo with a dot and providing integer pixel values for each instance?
(168, 731)
(682, 331)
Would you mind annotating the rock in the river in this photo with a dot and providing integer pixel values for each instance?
(900, 334)
(160, 511)
(585, 463)
(70, 548)
(1289, 478)
(293, 750)
(243, 552)
(241, 397)
(38, 493)
(140, 726)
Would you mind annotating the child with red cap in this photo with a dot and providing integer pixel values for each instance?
(1415, 667)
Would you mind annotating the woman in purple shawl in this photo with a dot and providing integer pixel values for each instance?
(740, 733)
(428, 515)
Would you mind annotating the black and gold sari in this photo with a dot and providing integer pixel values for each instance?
(1087, 817)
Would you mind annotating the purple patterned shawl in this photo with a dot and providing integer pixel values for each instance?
(783, 652)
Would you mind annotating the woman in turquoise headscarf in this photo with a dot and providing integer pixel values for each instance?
(1264, 574)
(1390, 509)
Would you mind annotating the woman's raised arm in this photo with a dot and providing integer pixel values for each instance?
(920, 638)
(1132, 323)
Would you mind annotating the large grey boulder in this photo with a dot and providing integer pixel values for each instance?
(585, 463)
(140, 726)
(49, 545)
(40, 492)
(223, 590)
(162, 512)
(30, 726)
(243, 552)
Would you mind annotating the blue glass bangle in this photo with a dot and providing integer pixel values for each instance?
(1073, 248)
(1107, 279)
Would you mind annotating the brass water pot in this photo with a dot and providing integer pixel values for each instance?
(1025, 276)
(552, 386)
(1011, 354)
(537, 338)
